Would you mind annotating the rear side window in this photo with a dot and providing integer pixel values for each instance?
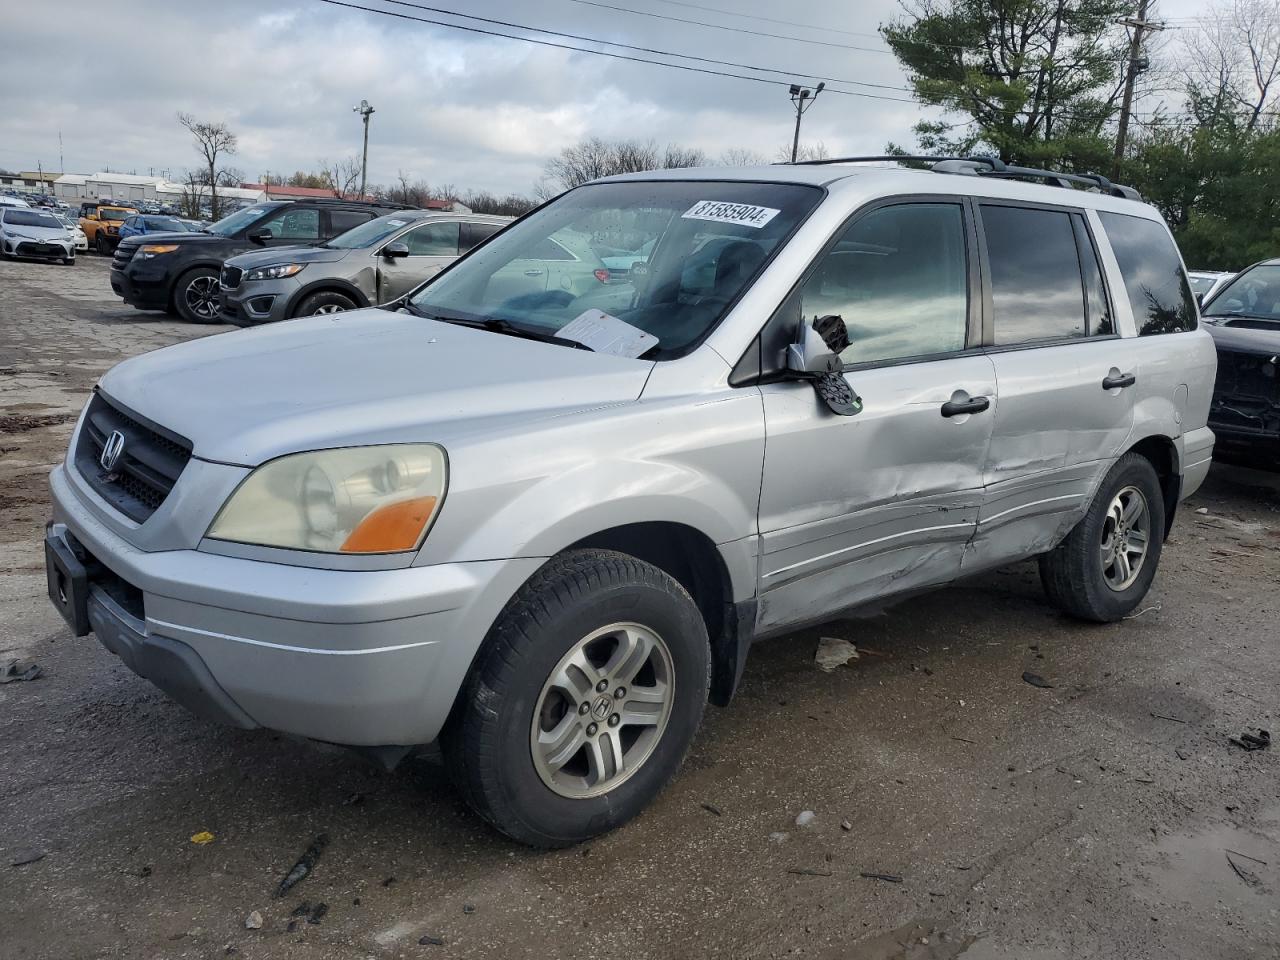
(1153, 276)
(474, 233)
(340, 221)
(1037, 292)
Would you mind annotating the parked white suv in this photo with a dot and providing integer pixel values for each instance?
(545, 533)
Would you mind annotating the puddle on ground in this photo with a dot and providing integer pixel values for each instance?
(1195, 869)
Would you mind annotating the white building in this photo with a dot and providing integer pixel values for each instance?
(130, 188)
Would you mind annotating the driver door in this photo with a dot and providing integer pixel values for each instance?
(857, 508)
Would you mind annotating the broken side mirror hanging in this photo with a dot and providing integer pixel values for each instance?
(816, 357)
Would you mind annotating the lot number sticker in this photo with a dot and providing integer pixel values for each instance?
(721, 211)
(607, 334)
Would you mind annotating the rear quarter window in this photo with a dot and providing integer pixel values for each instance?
(1158, 290)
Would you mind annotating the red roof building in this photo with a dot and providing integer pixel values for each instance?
(281, 192)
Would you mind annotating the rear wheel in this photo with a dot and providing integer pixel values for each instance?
(326, 301)
(104, 248)
(1105, 566)
(196, 296)
(583, 700)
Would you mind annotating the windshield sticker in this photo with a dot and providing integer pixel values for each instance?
(746, 214)
(396, 223)
(254, 212)
(607, 334)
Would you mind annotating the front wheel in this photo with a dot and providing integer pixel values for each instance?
(327, 301)
(583, 701)
(1105, 566)
(104, 248)
(196, 296)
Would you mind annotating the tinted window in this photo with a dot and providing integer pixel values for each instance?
(1255, 293)
(433, 240)
(28, 218)
(897, 277)
(1153, 276)
(290, 224)
(474, 233)
(1036, 289)
(1097, 306)
(340, 221)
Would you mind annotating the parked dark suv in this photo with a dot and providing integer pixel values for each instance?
(178, 272)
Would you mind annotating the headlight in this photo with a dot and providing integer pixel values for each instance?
(378, 499)
(274, 273)
(149, 250)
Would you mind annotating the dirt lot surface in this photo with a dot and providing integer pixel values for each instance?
(1106, 815)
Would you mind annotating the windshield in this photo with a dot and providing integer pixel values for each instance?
(237, 221)
(29, 218)
(114, 213)
(678, 253)
(1255, 293)
(165, 223)
(370, 232)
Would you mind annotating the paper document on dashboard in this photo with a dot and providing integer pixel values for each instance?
(607, 334)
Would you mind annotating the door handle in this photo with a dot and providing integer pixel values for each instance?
(953, 408)
(1124, 380)
(533, 273)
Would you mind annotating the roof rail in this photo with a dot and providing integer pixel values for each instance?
(995, 167)
(387, 204)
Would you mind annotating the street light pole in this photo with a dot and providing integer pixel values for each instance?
(803, 98)
(365, 112)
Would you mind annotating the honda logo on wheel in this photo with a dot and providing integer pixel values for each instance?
(111, 451)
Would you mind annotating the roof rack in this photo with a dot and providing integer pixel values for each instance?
(995, 167)
(386, 204)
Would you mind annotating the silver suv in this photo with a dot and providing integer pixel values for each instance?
(545, 532)
(375, 263)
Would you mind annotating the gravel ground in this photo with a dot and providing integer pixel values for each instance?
(1092, 818)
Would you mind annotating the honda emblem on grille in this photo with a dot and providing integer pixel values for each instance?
(111, 451)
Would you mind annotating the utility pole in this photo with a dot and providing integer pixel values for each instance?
(366, 111)
(803, 99)
(1140, 25)
(61, 166)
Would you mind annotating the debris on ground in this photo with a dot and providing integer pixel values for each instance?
(302, 909)
(712, 808)
(1247, 741)
(468, 908)
(1202, 510)
(833, 652)
(846, 825)
(430, 941)
(805, 818)
(1249, 877)
(1162, 716)
(306, 863)
(25, 857)
(1036, 680)
(1154, 608)
(253, 921)
(201, 838)
(352, 800)
(12, 673)
(389, 881)
(886, 877)
(809, 872)
(778, 836)
(318, 913)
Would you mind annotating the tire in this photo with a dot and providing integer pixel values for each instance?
(103, 247)
(326, 301)
(192, 293)
(68, 261)
(511, 697)
(1075, 575)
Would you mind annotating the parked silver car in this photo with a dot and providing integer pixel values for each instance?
(546, 534)
(28, 232)
(377, 262)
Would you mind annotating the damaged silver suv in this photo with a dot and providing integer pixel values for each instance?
(540, 514)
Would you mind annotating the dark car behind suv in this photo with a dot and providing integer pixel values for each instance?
(178, 272)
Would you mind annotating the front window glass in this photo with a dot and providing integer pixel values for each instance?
(30, 218)
(1255, 294)
(236, 221)
(707, 240)
(1153, 276)
(898, 279)
(433, 240)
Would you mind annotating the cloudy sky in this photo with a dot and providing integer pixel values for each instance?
(452, 107)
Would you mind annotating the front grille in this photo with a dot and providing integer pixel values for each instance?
(148, 466)
(124, 253)
(35, 249)
(1246, 375)
(231, 277)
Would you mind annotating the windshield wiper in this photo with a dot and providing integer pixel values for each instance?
(1241, 316)
(498, 325)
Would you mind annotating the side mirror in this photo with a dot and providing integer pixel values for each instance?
(259, 236)
(395, 250)
(813, 355)
(1199, 299)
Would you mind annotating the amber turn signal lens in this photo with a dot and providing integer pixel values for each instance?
(392, 528)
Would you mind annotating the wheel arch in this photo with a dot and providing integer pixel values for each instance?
(1162, 453)
(327, 285)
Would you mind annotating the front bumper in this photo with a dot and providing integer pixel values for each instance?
(359, 657)
(146, 288)
(40, 249)
(258, 301)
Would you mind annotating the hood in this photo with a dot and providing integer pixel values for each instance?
(1245, 339)
(272, 255)
(194, 239)
(36, 233)
(361, 377)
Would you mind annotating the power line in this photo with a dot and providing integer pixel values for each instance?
(599, 53)
(629, 46)
(753, 16)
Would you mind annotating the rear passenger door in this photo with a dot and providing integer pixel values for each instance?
(1064, 377)
(855, 508)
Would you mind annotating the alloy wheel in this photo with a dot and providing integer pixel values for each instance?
(201, 297)
(603, 710)
(1126, 536)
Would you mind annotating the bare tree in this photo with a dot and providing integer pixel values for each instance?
(594, 157)
(342, 176)
(1232, 64)
(212, 141)
(744, 157)
(807, 151)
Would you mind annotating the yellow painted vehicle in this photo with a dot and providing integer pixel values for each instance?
(101, 225)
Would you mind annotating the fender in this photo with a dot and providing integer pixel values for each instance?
(336, 284)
